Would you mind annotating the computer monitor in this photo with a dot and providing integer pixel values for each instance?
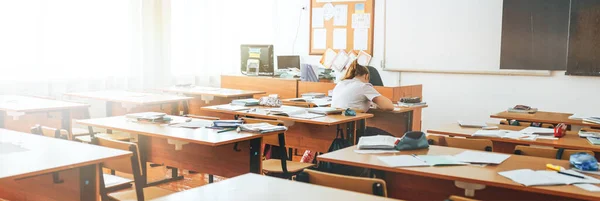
(289, 61)
(257, 59)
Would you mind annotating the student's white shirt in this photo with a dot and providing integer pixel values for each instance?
(353, 93)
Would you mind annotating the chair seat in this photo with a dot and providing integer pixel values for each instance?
(274, 166)
(88, 139)
(149, 194)
(116, 182)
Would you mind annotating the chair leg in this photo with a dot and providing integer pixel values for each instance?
(210, 178)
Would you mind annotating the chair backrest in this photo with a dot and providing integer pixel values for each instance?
(374, 77)
(202, 117)
(357, 184)
(51, 132)
(436, 140)
(474, 144)
(130, 165)
(547, 152)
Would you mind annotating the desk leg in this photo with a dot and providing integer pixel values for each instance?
(283, 154)
(409, 121)
(108, 109)
(186, 107)
(2, 116)
(175, 108)
(361, 129)
(255, 155)
(88, 176)
(66, 120)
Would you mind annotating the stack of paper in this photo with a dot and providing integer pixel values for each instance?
(377, 142)
(419, 161)
(295, 112)
(325, 110)
(538, 131)
(245, 102)
(594, 120)
(262, 127)
(504, 134)
(481, 157)
(586, 133)
(146, 115)
(232, 107)
(228, 123)
(529, 177)
(473, 124)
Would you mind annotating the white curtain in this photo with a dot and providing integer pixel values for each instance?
(205, 36)
(48, 47)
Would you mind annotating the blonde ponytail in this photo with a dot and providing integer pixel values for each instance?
(355, 70)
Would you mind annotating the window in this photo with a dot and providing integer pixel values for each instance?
(69, 39)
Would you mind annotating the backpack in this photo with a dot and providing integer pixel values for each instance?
(340, 142)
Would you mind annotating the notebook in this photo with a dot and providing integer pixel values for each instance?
(377, 142)
(262, 127)
(530, 177)
(504, 134)
(325, 110)
(538, 131)
(294, 112)
(472, 124)
(419, 161)
(481, 157)
(586, 133)
(594, 140)
(146, 115)
(245, 102)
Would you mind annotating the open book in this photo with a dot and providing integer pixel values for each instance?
(538, 131)
(262, 128)
(294, 112)
(377, 142)
(419, 161)
(504, 134)
(530, 177)
(325, 110)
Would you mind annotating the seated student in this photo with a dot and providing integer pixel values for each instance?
(355, 91)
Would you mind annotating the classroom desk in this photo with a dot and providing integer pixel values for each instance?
(206, 96)
(437, 183)
(124, 102)
(311, 134)
(396, 122)
(284, 87)
(34, 167)
(543, 117)
(506, 145)
(253, 187)
(204, 150)
(20, 113)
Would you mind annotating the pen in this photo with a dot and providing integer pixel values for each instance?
(226, 130)
(568, 174)
(417, 157)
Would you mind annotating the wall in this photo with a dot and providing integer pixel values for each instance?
(292, 35)
(453, 97)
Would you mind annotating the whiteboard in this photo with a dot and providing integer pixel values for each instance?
(443, 35)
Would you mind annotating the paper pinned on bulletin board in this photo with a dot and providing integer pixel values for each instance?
(328, 58)
(328, 11)
(317, 18)
(363, 58)
(351, 59)
(361, 39)
(361, 21)
(359, 8)
(319, 39)
(340, 60)
(339, 38)
(341, 15)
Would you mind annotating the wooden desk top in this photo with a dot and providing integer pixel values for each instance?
(487, 175)
(212, 91)
(254, 187)
(569, 141)
(130, 97)
(24, 155)
(543, 117)
(328, 120)
(16, 103)
(203, 136)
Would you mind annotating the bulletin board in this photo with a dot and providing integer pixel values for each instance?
(328, 26)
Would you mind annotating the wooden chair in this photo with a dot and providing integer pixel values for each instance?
(129, 165)
(371, 186)
(459, 198)
(474, 144)
(275, 167)
(547, 152)
(436, 140)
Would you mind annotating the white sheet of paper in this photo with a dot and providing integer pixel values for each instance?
(317, 18)
(319, 39)
(340, 61)
(361, 38)
(588, 187)
(361, 21)
(329, 57)
(363, 58)
(481, 157)
(328, 11)
(341, 15)
(375, 151)
(339, 39)
(402, 161)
